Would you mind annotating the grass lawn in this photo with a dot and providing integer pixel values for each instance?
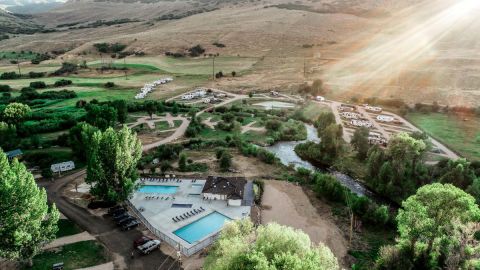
(74, 256)
(177, 123)
(462, 136)
(162, 125)
(67, 227)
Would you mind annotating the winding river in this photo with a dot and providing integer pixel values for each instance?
(286, 153)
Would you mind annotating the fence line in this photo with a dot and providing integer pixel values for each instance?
(199, 245)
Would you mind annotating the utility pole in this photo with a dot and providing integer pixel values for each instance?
(125, 67)
(213, 68)
(304, 69)
(18, 65)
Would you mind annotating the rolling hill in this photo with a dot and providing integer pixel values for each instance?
(385, 48)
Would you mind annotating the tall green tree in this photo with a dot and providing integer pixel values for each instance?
(15, 112)
(430, 227)
(112, 163)
(79, 138)
(360, 142)
(27, 222)
(101, 116)
(324, 120)
(269, 247)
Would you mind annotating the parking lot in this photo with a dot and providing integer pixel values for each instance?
(382, 124)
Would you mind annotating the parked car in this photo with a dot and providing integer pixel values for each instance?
(149, 246)
(319, 98)
(118, 212)
(121, 216)
(124, 220)
(130, 225)
(141, 240)
(111, 210)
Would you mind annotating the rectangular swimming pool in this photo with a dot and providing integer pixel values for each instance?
(200, 228)
(158, 189)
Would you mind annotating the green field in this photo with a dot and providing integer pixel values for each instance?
(460, 133)
(78, 255)
(17, 55)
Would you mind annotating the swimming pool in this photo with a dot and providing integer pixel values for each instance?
(200, 228)
(158, 189)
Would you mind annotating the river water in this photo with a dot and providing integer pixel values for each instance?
(286, 153)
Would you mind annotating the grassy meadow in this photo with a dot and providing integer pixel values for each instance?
(461, 133)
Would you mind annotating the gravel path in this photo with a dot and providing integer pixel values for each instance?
(84, 236)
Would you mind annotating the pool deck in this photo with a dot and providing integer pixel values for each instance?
(159, 212)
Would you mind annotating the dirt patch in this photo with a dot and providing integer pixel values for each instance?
(289, 205)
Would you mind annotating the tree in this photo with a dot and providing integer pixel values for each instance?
(182, 162)
(101, 116)
(317, 88)
(79, 138)
(8, 135)
(112, 163)
(15, 112)
(225, 161)
(324, 120)
(27, 222)
(122, 110)
(151, 108)
(428, 222)
(234, 73)
(242, 246)
(360, 142)
(331, 144)
(405, 151)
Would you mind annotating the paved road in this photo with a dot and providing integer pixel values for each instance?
(119, 243)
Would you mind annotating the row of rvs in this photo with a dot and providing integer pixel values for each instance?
(148, 87)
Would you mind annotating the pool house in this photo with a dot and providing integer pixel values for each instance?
(189, 214)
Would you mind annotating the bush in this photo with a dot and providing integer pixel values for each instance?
(109, 48)
(109, 84)
(34, 75)
(9, 76)
(38, 85)
(62, 82)
(66, 68)
(5, 88)
(196, 51)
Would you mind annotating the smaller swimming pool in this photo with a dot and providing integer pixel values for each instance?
(200, 228)
(158, 189)
(181, 205)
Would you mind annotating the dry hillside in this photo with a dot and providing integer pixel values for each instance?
(410, 49)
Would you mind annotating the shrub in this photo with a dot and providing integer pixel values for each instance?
(109, 84)
(38, 85)
(196, 51)
(9, 76)
(66, 68)
(5, 88)
(33, 75)
(62, 82)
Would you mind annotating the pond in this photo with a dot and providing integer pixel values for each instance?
(269, 105)
(286, 153)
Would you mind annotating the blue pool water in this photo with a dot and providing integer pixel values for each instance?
(158, 189)
(200, 228)
(181, 205)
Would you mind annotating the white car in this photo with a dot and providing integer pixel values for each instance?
(149, 246)
(319, 98)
